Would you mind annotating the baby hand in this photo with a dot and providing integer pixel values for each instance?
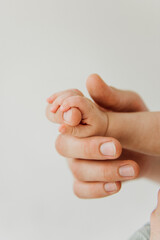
(85, 118)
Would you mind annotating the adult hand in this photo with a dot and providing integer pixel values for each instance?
(96, 175)
(91, 175)
(89, 159)
(112, 98)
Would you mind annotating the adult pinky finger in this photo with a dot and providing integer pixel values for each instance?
(88, 190)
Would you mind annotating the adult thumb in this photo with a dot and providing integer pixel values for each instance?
(112, 98)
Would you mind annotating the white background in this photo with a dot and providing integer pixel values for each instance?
(51, 45)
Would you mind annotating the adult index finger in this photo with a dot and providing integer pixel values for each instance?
(94, 148)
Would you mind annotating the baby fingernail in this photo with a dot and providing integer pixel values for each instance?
(110, 187)
(108, 149)
(126, 171)
(67, 116)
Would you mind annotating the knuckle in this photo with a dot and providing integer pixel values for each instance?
(72, 131)
(60, 100)
(75, 132)
(87, 148)
(79, 99)
(75, 90)
(105, 172)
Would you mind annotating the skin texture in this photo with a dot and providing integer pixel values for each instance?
(136, 131)
(112, 98)
(91, 119)
(91, 174)
(133, 130)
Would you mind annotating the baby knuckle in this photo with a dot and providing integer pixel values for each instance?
(104, 172)
(60, 100)
(73, 131)
(75, 90)
(79, 99)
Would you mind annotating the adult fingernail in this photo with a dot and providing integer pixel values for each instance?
(108, 149)
(110, 187)
(126, 171)
(67, 116)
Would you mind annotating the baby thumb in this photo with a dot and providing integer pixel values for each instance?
(72, 117)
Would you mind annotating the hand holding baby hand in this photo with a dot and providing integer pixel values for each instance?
(78, 115)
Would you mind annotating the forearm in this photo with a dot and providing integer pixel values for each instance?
(136, 131)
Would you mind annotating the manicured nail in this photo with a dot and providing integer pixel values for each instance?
(110, 187)
(126, 171)
(67, 116)
(108, 149)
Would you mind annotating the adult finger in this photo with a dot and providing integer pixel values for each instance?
(103, 171)
(100, 148)
(112, 98)
(95, 189)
